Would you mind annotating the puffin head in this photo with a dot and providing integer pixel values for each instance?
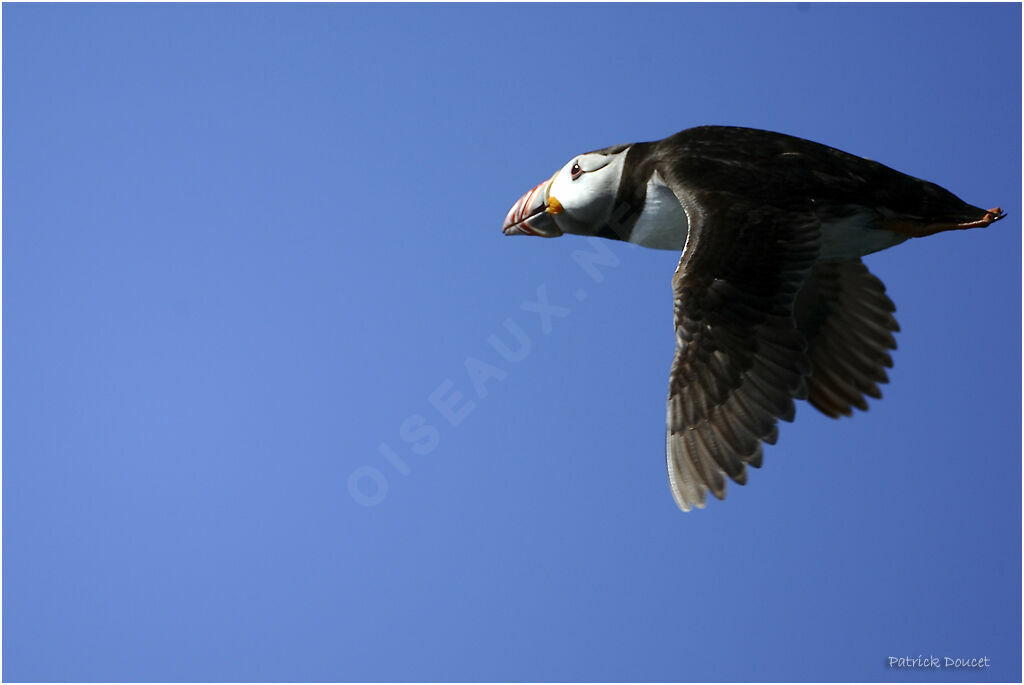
(579, 198)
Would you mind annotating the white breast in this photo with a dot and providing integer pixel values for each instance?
(663, 224)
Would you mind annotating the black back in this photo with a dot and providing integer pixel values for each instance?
(791, 173)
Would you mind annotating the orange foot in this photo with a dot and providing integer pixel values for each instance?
(918, 229)
(991, 215)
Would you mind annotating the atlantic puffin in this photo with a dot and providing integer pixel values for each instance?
(772, 301)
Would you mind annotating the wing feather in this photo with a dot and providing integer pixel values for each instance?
(740, 359)
(848, 321)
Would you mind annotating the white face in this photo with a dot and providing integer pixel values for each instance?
(585, 188)
(579, 198)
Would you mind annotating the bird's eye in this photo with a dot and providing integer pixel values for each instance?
(575, 172)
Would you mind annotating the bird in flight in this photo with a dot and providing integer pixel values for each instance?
(772, 301)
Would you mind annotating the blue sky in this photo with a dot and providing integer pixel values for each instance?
(244, 246)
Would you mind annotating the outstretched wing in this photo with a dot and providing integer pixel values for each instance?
(740, 360)
(847, 319)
